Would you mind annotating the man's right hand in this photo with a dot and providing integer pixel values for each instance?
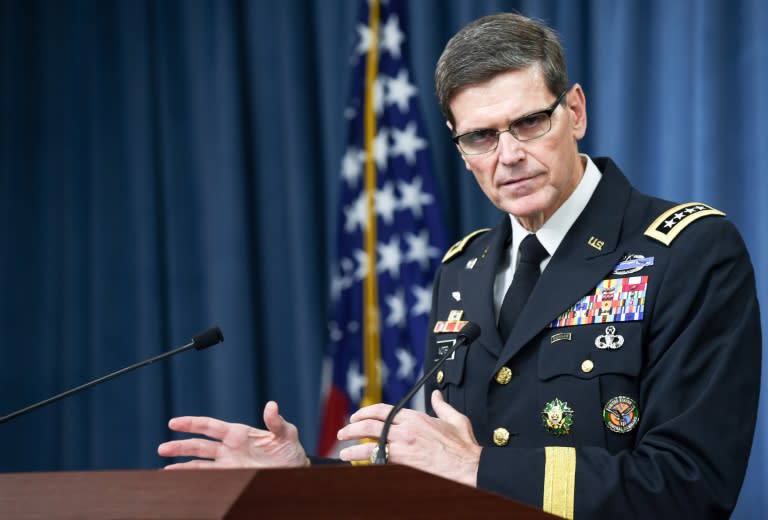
(232, 445)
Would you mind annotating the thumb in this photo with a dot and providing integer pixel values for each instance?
(449, 414)
(444, 411)
(273, 420)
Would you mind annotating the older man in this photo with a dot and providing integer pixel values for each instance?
(618, 367)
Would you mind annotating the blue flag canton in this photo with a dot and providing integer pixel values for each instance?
(410, 238)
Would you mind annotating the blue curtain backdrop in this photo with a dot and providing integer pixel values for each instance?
(168, 165)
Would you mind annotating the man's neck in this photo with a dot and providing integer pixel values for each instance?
(533, 223)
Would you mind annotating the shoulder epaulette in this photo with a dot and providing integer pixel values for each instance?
(459, 246)
(670, 223)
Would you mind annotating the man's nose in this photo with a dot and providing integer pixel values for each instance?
(510, 149)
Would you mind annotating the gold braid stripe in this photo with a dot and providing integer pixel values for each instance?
(559, 481)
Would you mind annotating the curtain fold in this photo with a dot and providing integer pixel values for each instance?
(166, 166)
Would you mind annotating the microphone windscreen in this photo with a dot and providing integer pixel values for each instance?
(208, 338)
(470, 332)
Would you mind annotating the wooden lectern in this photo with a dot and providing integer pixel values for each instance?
(390, 491)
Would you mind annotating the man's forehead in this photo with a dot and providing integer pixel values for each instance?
(506, 96)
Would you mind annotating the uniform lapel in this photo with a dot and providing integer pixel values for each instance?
(477, 287)
(577, 266)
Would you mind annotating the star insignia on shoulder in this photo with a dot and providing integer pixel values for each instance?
(457, 248)
(672, 222)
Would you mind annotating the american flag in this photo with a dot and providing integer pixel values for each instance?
(389, 236)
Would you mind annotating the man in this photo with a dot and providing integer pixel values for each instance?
(618, 366)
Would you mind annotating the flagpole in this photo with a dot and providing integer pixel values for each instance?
(371, 320)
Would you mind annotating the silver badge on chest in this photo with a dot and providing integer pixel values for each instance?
(609, 340)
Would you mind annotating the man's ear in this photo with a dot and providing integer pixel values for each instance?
(466, 164)
(577, 105)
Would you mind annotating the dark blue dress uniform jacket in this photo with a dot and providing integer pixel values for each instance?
(691, 364)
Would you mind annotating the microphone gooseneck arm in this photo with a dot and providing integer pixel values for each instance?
(469, 333)
(203, 340)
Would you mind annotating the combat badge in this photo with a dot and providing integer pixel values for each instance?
(632, 263)
(609, 340)
(621, 414)
(557, 417)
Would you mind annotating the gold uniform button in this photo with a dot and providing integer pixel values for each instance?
(587, 365)
(440, 376)
(504, 375)
(500, 436)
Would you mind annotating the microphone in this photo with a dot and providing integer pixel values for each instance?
(469, 333)
(201, 341)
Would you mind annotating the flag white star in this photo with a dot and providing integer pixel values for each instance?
(423, 296)
(407, 143)
(406, 364)
(347, 266)
(352, 166)
(379, 87)
(337, 285)
(381, 149)
(386, 203)
(334, 331)
(412, 197)
(392, 37)
(390, 257)
(397, 309)
(419, 249)
(365, 38)
(362, 264)
(400, 91)
(381, 365)
(356, 214)
(356, 381)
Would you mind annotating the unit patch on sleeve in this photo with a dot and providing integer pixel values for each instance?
(614, 299)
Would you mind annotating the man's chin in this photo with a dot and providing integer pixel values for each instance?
(525, 208)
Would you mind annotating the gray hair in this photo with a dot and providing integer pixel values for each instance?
(493, 45)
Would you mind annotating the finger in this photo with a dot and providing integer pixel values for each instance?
(189, 448)
(357, 452)
(192, 464)
(366, 428)
(274, 421)
(375, 411)
(207, 426)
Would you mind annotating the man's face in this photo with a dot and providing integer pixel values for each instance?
(528, 179)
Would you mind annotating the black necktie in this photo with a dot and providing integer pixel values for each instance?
(531, 254)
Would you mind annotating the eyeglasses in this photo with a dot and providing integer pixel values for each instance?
(524, 128)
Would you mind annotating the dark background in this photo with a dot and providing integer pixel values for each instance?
(169, 165)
